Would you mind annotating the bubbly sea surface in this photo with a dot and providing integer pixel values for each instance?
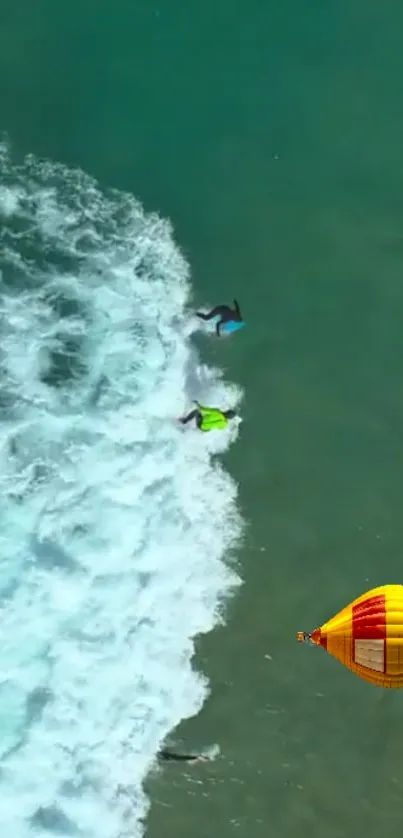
(114, 518)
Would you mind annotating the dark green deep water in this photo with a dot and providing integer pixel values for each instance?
(272, 135)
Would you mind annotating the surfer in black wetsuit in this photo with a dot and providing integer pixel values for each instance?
(169, 756)
(225, 313)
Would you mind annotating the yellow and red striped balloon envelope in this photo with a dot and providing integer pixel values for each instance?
(367, 636)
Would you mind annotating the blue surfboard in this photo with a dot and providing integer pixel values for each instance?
(226, 328)
(232, 326)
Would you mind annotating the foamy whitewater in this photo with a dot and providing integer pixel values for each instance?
(114, 519)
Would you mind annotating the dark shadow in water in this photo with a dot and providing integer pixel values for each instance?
(8, 404)
(98, 389)
(36, 703)
(9, 590)
(144, 579)
(79, 785)
(65, 365)
(52, 819)
(34, 707)
(50, 555)
(64, 306)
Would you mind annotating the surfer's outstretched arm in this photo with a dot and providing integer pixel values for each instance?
(218, 311)
(237, 309)
(194, 414)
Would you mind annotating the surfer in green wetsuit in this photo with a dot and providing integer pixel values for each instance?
(209, 418)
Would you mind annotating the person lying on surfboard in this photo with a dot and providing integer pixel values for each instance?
(226, 315)
(170, 756)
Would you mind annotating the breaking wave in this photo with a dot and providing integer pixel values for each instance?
(115, 519)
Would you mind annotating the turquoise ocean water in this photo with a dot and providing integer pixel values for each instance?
(271, 136)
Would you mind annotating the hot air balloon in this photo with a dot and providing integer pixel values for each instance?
(367, 636)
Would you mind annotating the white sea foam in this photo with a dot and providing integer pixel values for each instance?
(114, 520)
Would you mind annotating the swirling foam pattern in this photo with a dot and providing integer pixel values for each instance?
(114, 519)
